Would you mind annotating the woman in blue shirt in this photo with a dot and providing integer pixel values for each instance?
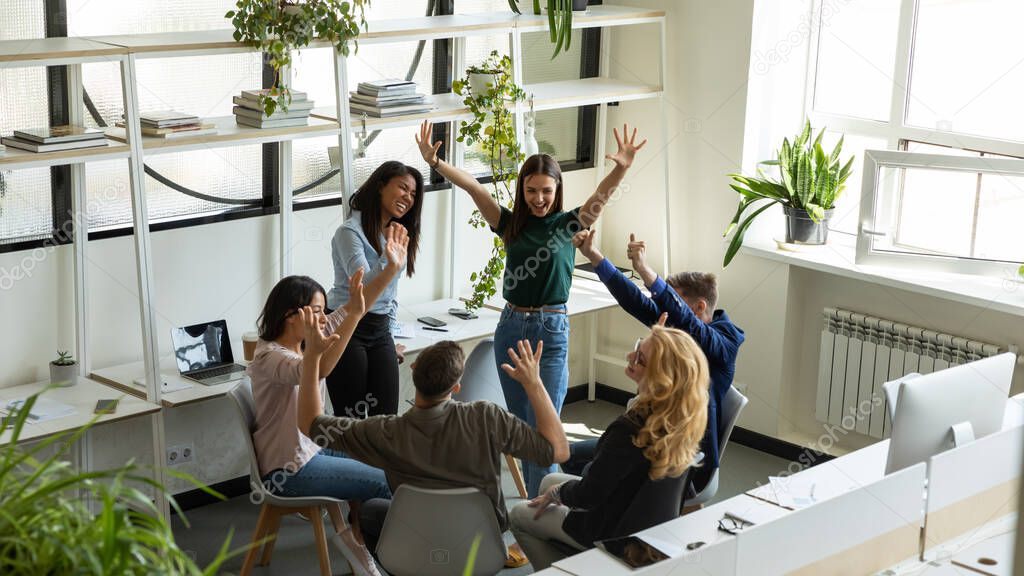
(365, 380)
(537, 233)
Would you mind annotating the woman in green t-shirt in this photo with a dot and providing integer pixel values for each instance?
(539, 262)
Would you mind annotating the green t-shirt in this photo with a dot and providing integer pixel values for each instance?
(539, 263)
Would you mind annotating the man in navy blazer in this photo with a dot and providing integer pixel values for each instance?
(688, 299)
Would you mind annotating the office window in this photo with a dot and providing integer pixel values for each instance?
(954, 97)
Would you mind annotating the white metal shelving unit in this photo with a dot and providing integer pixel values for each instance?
(129, 144)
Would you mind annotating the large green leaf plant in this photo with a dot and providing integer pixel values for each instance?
(48, 527)
(809, 179)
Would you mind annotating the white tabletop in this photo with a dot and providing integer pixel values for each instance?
(82, 396)
(123, 378)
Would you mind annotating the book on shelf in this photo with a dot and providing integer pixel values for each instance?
(387, 112)
(56, 147)
(177, 131)
(271, 123)
(58, 134)
(385, 85)
(241, 112)
(254, 95)
(3, 149)
(252, 104)
(166, 119)
(387, 100)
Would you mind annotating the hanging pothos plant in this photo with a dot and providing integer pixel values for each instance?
(493, 129)
(276, 27)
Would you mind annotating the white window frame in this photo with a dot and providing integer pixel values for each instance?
(877, 204)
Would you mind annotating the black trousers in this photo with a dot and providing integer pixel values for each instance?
(365, 381)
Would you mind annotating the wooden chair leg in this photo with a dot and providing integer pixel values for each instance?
(261, 527)
(517, 475)
(337, 519)
(321, 540)
(273, 526)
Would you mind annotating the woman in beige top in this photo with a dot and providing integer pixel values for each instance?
(291, 464)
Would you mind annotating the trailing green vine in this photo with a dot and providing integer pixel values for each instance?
(277, 27)
(493, 129)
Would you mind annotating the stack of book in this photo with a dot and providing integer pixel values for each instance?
(387, 98)
(249, 112)
(56, 138)
(172, 124)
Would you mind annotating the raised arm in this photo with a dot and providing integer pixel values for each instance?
(527, 372)
(486, 204)
(352, 312)
(625, 292)
(316, 343)
(623, 159)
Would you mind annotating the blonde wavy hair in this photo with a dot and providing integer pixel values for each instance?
(673, 402)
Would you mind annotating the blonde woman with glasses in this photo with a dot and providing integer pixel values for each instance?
(658, 437)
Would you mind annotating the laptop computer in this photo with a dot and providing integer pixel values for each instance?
(203, 353)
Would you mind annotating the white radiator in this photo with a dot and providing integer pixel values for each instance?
(859, 353)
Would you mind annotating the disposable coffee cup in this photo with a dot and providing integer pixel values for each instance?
(249, 340)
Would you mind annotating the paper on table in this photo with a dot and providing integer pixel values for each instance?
(44, 409)
(792, 491)
(403, 330)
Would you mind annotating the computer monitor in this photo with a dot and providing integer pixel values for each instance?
(938, 411)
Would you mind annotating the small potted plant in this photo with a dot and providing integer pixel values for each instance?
(64, 369)
(809, 183)
(482, 78)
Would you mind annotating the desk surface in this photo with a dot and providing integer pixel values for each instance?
(83, 396)
(585, 296)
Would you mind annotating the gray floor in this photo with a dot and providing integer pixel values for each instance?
(295, 553)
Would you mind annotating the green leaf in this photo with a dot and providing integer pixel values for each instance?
(737, 239)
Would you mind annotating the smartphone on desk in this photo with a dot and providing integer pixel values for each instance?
(105, 406)
(432, 322)
(632, 551)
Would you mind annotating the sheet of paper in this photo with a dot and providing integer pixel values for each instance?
(792, 491)
(44, 409)
(403, 330)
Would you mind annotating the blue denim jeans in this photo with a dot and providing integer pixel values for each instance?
(330, 473)
(553, 330)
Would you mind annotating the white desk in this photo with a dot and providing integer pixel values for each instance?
(123, 378)
(83, 396)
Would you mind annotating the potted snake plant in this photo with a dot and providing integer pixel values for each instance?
(809, 183)
(559, 18)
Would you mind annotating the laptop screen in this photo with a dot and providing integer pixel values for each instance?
(202, 346)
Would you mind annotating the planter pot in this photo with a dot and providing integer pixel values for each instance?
(579, 5)
(292, 9)
(800, 229)
(63, 375)
(478, 82)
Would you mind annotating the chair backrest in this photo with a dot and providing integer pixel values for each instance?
(656, 502)
(480, 378)
(430, 533)
(241, 394)
(732, 405)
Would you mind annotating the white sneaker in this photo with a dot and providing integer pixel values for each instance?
(358, 557)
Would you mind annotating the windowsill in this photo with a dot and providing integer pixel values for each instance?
(839, 255)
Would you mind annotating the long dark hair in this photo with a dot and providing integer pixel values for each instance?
(367, 201)
(536, 164)
(287, 296)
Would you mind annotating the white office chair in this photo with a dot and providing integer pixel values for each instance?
(430, 533)
(274, 506)
(480, 382)
(732, 405)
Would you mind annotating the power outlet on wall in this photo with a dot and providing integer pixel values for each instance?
(180, 454)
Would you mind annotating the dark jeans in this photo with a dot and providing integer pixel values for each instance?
(581, 453)
(371, 521)
(365, 381)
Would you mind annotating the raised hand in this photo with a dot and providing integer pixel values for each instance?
(584, 242)
(313, 335)
(427, 150)
(662, 319)
(396, 244)
(356, 305)
(636, 251)
(526, 364)
(627, 147)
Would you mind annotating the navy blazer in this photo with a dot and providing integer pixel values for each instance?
(720, 340)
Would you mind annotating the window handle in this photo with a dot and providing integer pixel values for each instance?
(871, 232)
